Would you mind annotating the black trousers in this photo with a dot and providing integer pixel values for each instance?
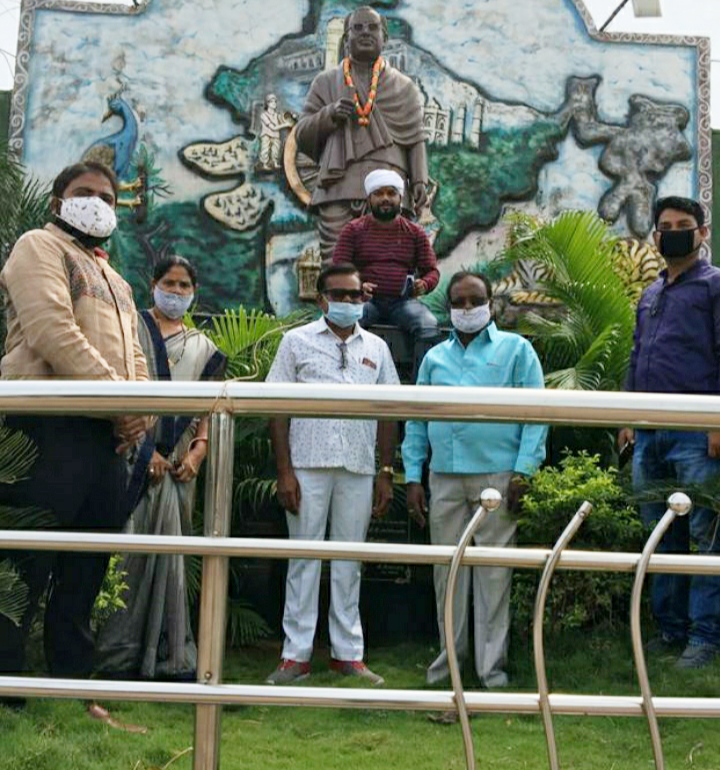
(80, 479)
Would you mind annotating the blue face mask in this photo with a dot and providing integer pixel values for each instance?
(344, 314)
(172, 305)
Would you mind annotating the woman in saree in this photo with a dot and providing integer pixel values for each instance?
(152, 638)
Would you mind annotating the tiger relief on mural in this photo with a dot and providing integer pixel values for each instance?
(636, 262)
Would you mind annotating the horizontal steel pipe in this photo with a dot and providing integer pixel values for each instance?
(562, 407)
(527, 558)
(340, 697)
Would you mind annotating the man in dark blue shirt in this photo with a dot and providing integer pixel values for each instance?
(677, 350)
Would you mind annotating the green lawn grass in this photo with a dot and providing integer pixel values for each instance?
(55, 735)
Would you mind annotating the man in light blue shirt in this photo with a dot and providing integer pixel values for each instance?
(469, 457)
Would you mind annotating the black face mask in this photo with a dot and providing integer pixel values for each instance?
(88, 241)
(676, 244)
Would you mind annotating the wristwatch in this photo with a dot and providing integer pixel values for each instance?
(387, 469)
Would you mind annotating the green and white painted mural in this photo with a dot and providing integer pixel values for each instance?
(526, 107)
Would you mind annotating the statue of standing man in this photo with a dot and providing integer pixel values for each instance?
(361, 116)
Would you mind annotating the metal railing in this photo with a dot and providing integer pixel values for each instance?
(224, 401)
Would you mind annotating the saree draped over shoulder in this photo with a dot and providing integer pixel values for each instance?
(152, 636)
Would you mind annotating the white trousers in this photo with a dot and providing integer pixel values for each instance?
(347, 499)
(454, 500)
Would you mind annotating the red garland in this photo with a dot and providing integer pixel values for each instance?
(363, 111)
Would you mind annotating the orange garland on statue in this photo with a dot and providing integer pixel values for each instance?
(364, 111)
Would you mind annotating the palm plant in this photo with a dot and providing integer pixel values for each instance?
(24, 206)
(24, 201)
(250, 340)
(585, 341)
(17, 454)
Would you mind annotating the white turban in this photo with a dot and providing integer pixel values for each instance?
(383, 177)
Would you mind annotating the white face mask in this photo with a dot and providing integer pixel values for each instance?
(172, 305)
(91, 216)
(344, 314)
(470, 321)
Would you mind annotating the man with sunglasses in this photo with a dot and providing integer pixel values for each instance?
(326, 470)
(465, 459)
(677, 350)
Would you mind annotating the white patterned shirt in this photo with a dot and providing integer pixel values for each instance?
(313, 353)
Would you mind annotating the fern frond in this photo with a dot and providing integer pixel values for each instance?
(25, 518)
(24, 201)
(13, 593)
(250, 340)
(17, 454)
(193, 577)
(245, 626)
(587, 344)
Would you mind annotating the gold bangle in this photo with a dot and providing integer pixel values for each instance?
(387, 469)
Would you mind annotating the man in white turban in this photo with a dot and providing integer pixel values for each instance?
(383, 177)
(395, 259)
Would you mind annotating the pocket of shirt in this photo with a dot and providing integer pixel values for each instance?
(488, 375)
(365, 373)
(702, 310)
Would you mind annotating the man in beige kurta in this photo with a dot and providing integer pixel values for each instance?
(330, 133)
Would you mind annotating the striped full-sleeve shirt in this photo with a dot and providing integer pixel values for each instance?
(386, 253)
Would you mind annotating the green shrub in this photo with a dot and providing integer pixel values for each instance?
(577, 599)
(110, 599)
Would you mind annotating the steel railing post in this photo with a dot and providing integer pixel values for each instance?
(679, 504)
(490, 500)
(213, 593)
(538, 617)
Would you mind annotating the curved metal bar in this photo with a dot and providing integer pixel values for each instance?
(490, 499)
(538, 644)
(678, 504)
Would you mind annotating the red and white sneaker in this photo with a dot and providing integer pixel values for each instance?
(356, 668)
(289, 671)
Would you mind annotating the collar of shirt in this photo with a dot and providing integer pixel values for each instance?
(323, 328)
(399, 223)
(60, 233)
(488, 334)
(695, 268)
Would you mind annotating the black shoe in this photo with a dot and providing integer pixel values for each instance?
(697, 656)
(662, 643)
(14, 704)
(179, 676)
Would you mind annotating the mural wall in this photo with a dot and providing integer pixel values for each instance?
(525, 107)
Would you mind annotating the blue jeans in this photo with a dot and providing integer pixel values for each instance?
(408, 314)
(685, 607)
